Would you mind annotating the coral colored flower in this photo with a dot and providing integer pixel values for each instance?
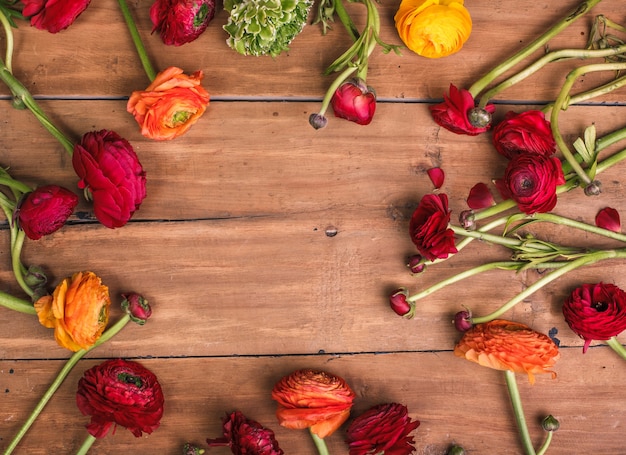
(170, 105)
(354, 101)
(120, 392)
(506, 345)
(527, 132)
(480, 197)
(181, 21)
(608, 218)
(313, 399)
(45, 210)
(437, 176)
(531, 181)
(453, 113)
(382, 429)
(53, 15)
(110, 171)
(77, 310)
(596, 312)
(429, 229)
(433, 28)
(246, 436)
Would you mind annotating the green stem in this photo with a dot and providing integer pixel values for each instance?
(8, 32)
(134, 33)
(509, 63)
(15, 185)
(609, 139)
(544, 447)
(71, 362)
(87, 443)
(320, 444)
(345, 19)
(557, 219)
(334, 86)
(16, 304)
(516, 401)
(16, 262)
(493, 238)
(617, 347)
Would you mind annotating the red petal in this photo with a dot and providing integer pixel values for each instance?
(480, 197)
(608, 218)
(437, 176)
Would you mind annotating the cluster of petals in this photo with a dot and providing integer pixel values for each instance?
(429, 229)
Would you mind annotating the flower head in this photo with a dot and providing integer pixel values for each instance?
(110, 171)
(383, 429)
(454, 113)
(77, 310)
(400, 305)
(45, 210)
(506, 345)
(246, 436)
(136, 307)
(429, 230)
(527, 132)
(120, 392)
(53, 15)
(596, 312)
(169, 105)
(181, 21)
(313, 399)
(354, 101)
(433, 28)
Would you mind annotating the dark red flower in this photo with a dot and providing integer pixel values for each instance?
(45, 210)
(596, 312)
(120, 392)
(531, 181)
(608, 218)
(399, 303)
(245, 436)
(109, 169)
(454, 113)
(354, 101)
(137, 307)
(53, 15)
(383, 429)
(527, 132)
(480, 197)
(429, 230)
(181, 21)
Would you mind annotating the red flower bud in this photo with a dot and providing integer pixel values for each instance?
(354, 101)
(181, 21)
(415, 264)
(136, 307)
(246, 436)
(399, 304)
(463, 321)
(45, 210)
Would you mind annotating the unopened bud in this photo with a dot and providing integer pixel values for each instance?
(415, 264)
(593, 189)
(463, 321)
(399, 304)
(318, 121)
(467, 218)
(456, 450)
(136, 307)
(479, 117)
(190, 449)
(550, 423)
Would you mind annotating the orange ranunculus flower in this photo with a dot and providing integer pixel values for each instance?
(170, 105)
(313, 399)
(433, 28)
(78, 310)
(506, 345)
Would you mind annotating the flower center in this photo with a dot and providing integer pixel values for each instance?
(200, 16)
(128, 378)
(600, 306)
(180, 118)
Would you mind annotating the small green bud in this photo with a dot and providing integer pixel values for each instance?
(456, 450)
(550, 423)
(479, 117)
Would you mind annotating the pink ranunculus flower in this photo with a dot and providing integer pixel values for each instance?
(354, 101)
(45, 210)
(181, 21)
(53, 15)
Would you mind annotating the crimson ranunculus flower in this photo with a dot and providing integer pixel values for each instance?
(454, 113)
(110, 170)
(313, 399)
(383, 429)
(245, 436)
(596, 312)
(120, 392)
(527, 132)
(53, 15)
(429, 229)
(531, 181)
(45, 210)
(354, 101)
(181, 21)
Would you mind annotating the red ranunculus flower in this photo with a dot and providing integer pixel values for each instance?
(596, 312)
(53, 15)
(245, 436)
(181, 21)
(354, 101)
(453, 113)
(120, 392)
(429, 230)
(109, 169)
(527, 132)
(383, 429)
(45, 210)
(531, 181)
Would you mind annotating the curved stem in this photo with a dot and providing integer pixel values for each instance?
(87, 443)
(15, 185)
(617, 347)
(8, 33)
(492, 238)
(16, 304)
(334, 86)
(516, 401)
(544, 447)
(16, 262)
(134, 33)
(320, 444)
(557, 219)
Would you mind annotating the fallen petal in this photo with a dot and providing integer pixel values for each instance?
(480, 197)
(437, 176)
(608, 218)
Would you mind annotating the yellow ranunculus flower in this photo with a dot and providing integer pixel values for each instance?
(433, 28)
(78, 310)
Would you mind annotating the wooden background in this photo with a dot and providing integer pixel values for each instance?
(265, 246)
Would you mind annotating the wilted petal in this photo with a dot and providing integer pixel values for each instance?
(608, 218)
(480, 197)
(437, 176)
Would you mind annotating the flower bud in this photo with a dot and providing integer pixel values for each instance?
(416, 264)
(467, 218)
(45, 210)
(318, 121)
(190, 449)
(463, 321)
(399, 304)
(593, 189)
(456, 450)
(550, 423)
(479, 117)
(136, 307)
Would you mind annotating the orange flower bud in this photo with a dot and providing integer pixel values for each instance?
(78, 310)
(506, 345)
(313, 399)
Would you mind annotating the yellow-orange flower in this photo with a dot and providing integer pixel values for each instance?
(170, 105)
(78, 310)
(433, 28)
(313, 399)
(506, 345)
